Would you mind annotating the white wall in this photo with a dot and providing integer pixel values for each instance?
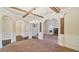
(71, 37)
(47, 23)
(26, 29)
(71, 29)
(7, 29)
(0, 33)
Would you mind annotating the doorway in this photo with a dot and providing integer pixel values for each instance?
(34, 28)
(7, 30)
(51, 30)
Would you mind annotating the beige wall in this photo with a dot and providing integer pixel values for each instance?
(72, 22)
(71, 36)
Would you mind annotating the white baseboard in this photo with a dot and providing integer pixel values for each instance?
(1, 40)
(72, 41)
(40, 36)
(60, 39)
(69, 41)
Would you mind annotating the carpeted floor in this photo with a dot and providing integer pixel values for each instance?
(49, 44)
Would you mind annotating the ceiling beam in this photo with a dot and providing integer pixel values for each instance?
(38, 15)
(29, 12)
(19, 9)
(58, 9)
(16, 8)
(54, 9)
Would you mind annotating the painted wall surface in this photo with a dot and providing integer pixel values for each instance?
(26, 29)
(7, 27)
(50, 25)
(0, 33)
(71, 36)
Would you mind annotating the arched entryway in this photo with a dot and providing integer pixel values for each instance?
(34, 30)
(19, 30)
(50, 30)
(7, 30)
(51, 26)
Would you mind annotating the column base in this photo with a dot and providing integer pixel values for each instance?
(40, 36)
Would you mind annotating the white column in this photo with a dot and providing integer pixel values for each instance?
(30, 31)
(1, 33)
(22, 29)
(14, 32)
(40, 34)
(13, 38)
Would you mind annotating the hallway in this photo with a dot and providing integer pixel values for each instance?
(49, 44)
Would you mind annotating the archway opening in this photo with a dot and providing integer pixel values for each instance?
(50, 30)
(7, 30)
